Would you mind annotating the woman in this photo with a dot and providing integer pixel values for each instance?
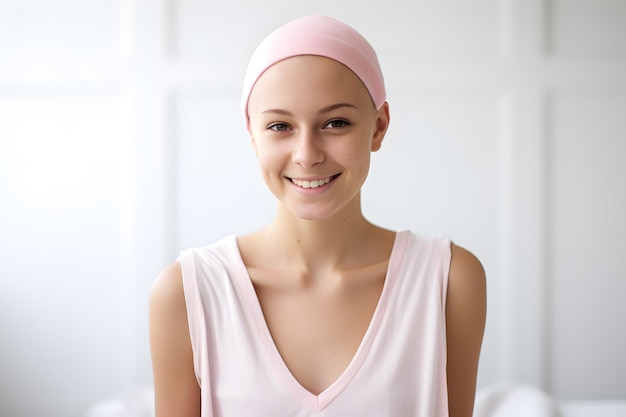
(321, 312)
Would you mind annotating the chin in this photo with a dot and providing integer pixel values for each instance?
(312, 214)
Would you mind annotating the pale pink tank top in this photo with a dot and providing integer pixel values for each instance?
(399, 369)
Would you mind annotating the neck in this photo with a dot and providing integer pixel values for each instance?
(326, 244)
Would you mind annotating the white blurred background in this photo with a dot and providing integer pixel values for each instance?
(121, 143)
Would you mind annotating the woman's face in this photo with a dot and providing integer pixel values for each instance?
(313, 126)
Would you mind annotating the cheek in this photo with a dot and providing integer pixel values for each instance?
(270, 159)
(364, 168)
(363, 158)
(356, 152)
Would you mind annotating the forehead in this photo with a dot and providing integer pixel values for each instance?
(314, 78)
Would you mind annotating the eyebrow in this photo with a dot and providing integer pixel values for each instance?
(326, 109)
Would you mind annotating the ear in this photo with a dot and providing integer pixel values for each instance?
(382, 123)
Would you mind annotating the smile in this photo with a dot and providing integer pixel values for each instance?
(313, 183)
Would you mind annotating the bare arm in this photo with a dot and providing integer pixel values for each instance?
(177, 393)
(465, 324)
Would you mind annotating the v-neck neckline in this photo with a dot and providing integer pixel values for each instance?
(287, 379)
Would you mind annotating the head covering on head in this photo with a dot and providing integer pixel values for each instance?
(321, 36)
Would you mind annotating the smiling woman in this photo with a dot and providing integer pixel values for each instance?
(321, 310)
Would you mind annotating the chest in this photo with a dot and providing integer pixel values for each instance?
(318, 330)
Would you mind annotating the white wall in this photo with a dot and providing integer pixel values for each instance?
(121, 142)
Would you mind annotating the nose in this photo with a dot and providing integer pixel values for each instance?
(307, 150)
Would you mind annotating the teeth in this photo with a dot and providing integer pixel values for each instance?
(311, 184)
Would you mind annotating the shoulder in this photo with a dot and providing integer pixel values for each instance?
(465, 325)
(167, 301)
(167, 304)
(466, 294)
(167, 290)
(176, 388)
(466, 272)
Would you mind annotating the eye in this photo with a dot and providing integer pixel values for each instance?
(337, 124)
(278, 127)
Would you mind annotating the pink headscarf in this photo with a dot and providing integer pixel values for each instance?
(321, 36)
